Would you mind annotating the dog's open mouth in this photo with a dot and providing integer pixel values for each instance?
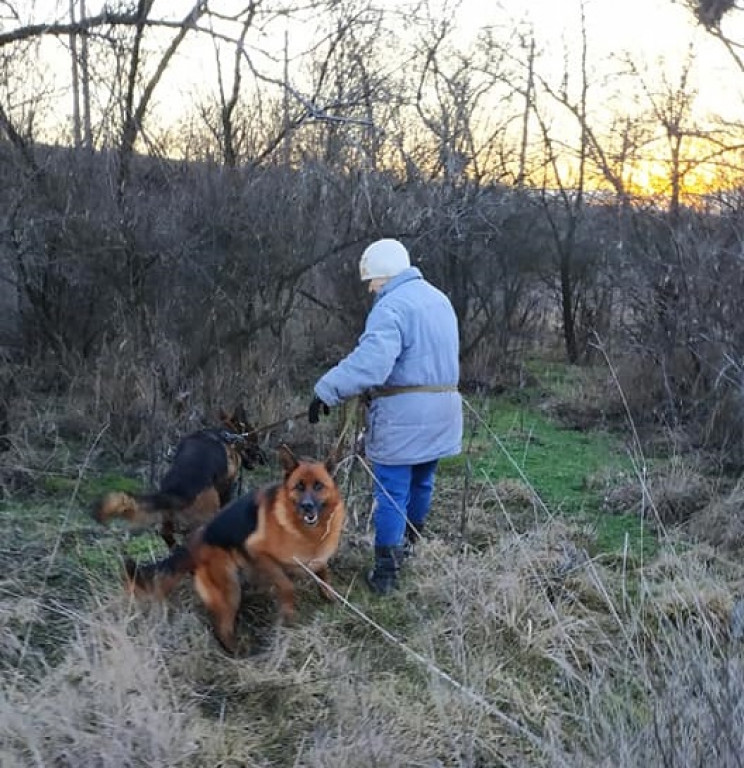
(310, 518)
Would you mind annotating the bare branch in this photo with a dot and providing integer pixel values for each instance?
(106, 18)
(312, 110)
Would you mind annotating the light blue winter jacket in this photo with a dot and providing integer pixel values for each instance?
(410, 338)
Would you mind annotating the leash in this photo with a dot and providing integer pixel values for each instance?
(242, 436)
(371, 394)
(348, 419)
(266, 427)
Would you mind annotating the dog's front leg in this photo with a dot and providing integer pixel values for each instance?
(324, 573)
(275, 574)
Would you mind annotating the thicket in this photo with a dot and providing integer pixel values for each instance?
(228, 284)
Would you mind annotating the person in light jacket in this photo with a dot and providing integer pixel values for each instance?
(407, 364)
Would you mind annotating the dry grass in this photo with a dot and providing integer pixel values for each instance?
(508, 644)
(523, 651)
(586, 400)
(110, 702)
(721, 522)
(671, 494)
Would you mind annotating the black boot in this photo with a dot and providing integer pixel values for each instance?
(383, 578)
(412, 538)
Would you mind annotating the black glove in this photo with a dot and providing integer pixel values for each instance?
(313, 412)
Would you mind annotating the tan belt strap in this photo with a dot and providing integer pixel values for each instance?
(373, 394)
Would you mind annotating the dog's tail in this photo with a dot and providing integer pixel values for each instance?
(158, 579)
(144, 509)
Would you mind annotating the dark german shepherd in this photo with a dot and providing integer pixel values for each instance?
(269, 531)
(198, 483)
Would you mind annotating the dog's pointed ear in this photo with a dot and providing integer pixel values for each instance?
(239, 415)
(287, 458)
(331, 462)
(223, 416)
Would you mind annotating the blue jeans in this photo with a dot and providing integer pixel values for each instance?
(401, 492)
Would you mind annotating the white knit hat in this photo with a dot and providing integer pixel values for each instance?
(383, 258)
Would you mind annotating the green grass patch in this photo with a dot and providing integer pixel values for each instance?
(38, 531)
(555, 376)
(103, 556)
(559, 463)
(514, 440)
(616, 533)
(90, 487)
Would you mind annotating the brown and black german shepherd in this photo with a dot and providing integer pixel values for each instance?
(197, 485)
(268, 530)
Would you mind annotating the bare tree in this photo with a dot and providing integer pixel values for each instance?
(563, 194)
(688, 144)
(76, 129)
